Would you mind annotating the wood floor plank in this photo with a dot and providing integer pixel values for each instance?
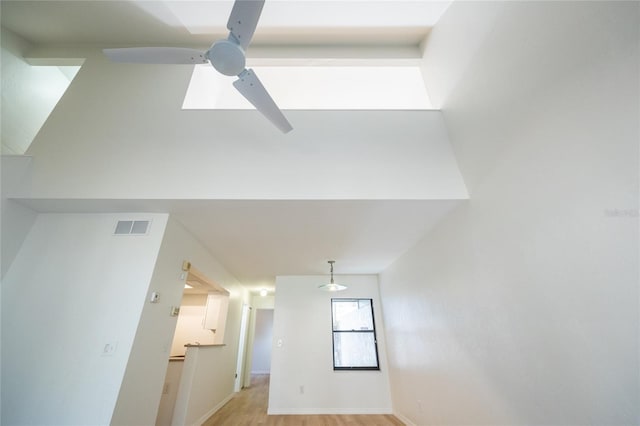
(249, 407)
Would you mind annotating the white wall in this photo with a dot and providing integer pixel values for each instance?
(73, 288)
(138, 128)
(206, 384)
(29, 94)
(263, 302)
(302, 320)
(15, 219)
(141, 390)
(169, 392)
(521, 306)
(261, 357)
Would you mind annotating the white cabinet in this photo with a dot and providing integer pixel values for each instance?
(215, 315)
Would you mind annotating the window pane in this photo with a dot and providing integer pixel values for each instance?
(316, 88)
(352, 315)
(355, 350)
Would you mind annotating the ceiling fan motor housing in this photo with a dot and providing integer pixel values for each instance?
(227, 57)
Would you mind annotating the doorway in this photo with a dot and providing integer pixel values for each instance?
(261, 356)
(201, 322)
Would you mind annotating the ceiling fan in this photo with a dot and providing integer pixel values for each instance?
(226, 55)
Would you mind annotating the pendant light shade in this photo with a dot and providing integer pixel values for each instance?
(332, 286)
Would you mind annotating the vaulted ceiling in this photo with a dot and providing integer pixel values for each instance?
(258, 239)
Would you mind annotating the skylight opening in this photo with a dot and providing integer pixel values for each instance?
(316, 88)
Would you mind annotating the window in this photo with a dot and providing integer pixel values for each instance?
(315, 88)
(354, 335)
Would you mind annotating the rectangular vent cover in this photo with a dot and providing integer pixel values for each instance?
(132, 227)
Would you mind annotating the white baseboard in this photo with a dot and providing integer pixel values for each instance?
(313, 411)
(211, 412)
(404, 420)
(261, 372)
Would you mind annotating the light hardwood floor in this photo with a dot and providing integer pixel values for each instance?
(249, 407)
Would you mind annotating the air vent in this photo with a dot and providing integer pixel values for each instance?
(132, 227)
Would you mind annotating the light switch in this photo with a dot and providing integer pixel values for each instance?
(155, 296)
(109, 348)
(279, 343)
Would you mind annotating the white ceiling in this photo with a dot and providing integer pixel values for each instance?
(289, 22)
(259, 240)
(255, 240)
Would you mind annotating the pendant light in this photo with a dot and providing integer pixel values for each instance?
(332, 286)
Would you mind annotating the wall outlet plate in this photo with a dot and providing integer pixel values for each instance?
(109, 348)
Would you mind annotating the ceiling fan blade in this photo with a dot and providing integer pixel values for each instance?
(251, 88)
(244, 19)
(157, 55)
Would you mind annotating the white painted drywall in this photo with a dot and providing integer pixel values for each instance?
(261, 358)
(16, 220)
(16, 223)
(302, 322)
(169, 392)
(29, 94)
(73, 288)
(141, 390)
(138, 128)
(263, 302)
(206, 384)
(521, 306)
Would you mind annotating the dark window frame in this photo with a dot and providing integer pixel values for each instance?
(372, 331)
